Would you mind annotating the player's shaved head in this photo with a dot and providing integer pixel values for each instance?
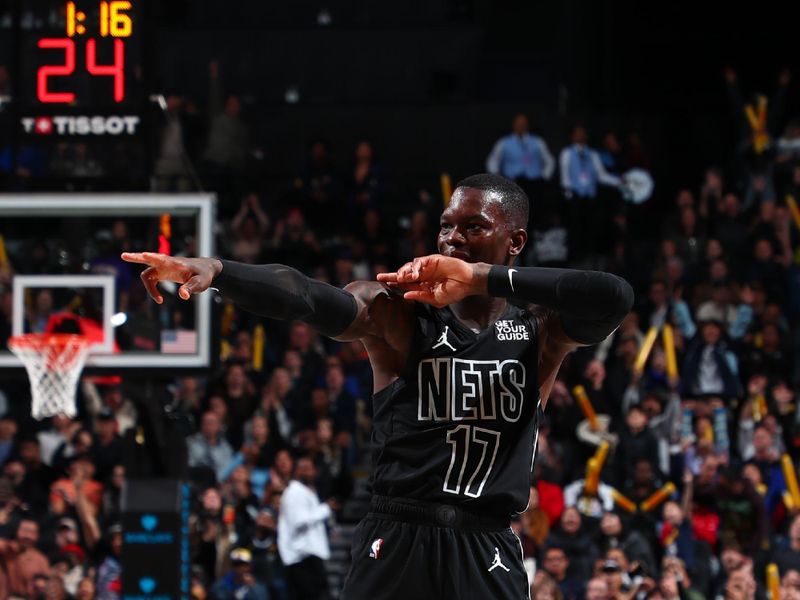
(512, 200)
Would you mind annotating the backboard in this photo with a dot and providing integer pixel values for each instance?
(65, 275)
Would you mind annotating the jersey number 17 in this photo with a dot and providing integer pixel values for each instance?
(473, 452)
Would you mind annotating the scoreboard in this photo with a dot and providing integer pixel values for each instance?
(80, 67)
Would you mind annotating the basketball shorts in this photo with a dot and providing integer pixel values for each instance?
(404, 550)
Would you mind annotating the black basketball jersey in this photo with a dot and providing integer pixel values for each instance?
(460, 425)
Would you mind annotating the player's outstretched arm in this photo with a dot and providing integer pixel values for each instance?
(275, 291)
(591, 304)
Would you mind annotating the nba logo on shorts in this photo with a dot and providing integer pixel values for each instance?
(375, 548)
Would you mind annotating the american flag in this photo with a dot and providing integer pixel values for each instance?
(178, 341)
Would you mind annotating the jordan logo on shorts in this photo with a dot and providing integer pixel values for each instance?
(375, 548)
(497, 562)
(443, 340)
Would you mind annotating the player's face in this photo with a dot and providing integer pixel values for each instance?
(474, 229)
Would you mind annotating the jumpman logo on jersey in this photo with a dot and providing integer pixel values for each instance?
(497, 562)
(443, 340)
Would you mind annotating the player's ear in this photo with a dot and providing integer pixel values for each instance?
(516, 241)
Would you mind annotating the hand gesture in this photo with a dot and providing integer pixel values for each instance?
(195, 274)
(437, 280)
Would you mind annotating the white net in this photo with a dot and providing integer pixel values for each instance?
(54, 363)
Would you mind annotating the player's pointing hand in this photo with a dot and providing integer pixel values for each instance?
(195, 274)
(438, 280)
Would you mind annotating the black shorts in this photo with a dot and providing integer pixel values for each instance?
(411, 551)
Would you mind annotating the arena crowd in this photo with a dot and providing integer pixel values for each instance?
(287, 415)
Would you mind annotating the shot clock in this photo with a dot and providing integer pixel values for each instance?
(80, 67)
(115, 22)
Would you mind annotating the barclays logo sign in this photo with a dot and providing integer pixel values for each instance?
(149, 535)
(149, 522)
(147, 584)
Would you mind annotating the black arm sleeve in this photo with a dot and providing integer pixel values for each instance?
(591, 304)
(280, 292)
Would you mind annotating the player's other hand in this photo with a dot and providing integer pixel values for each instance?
(194, 274)
(438, 280)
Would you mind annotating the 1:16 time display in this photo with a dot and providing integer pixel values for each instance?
(114, 22)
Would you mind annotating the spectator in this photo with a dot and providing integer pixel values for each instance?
(729, 228)
(571, 537)
(710, 367)
(178, 139)
(240, 496)
(208, 448)
(365, 183)
(277, 400)
(249, 227)
(20, 561)
(257, 454)
(86, 590)
(267, 564)
(545, 588)
(294, 244)
(239, 583)
(65, 492)
(536, 521)
(280, 474)
(302, 540)
(614, 571)
(320, 189)
(636, 443)
(788, 557)
(240, 400)
(740, 509)
(675, 581)
(676, 534)
(790, 585)
(60, 432)
(106, 452)
(581, 167)
(555, 563)
(581, 173)
(741, 585)
(33, 488)
(109, 573)
(342, 403)
(8, 431)
(636, 547)
(597, 589)
(226, 150)
(523, 158)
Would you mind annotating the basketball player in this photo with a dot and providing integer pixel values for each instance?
(461, 377)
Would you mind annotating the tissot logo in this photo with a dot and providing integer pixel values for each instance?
(81, 125)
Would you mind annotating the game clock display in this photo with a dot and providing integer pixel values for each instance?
(83, 54)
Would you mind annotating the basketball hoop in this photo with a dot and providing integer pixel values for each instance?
(54, 363)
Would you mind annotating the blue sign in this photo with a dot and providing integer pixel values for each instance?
(149, 522)
(147, 584)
